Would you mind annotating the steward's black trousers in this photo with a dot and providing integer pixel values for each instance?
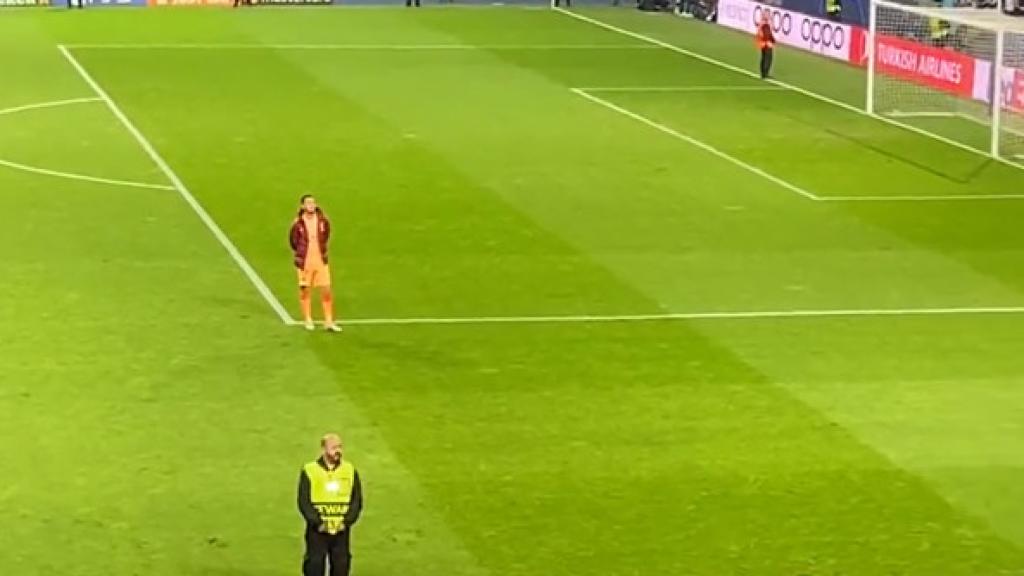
(323, 549)
(766, 62)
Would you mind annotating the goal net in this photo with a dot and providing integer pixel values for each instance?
(956, 73)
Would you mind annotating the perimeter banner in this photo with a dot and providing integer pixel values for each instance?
(294, 2)
(230, 2)
(791, 28)
(944, 70)
(1013, 89)
(189, 2)
(25, 3)
(106, 3)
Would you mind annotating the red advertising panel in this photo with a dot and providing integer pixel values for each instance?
(859, 46)
(1015, 101)
(944, 70)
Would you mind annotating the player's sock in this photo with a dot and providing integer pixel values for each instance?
(306, 301)
(328, 303)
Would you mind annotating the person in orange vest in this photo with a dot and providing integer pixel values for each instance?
(766, 43)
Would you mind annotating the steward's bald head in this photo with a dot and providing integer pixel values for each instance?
(330, 443)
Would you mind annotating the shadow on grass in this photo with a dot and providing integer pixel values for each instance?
(966, 178)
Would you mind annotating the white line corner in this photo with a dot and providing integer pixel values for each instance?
(178, 185)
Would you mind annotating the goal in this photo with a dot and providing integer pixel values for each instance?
(955, 73)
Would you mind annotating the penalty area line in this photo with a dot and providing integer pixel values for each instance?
(694, 142)
(667, 317)
(178, 185)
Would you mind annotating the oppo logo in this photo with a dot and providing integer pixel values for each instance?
(823, 34)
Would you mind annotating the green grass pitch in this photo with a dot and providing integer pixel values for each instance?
(155, 412)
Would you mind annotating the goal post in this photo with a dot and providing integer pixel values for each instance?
(955, 73)
(995, 139)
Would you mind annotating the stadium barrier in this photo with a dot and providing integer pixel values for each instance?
(230, 2)
(1011, 82)
(293, 2)
(114, 3)
(189, 2)
(139, 3)
(854, 11)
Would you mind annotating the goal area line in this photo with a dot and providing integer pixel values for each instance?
(591, 95)
(958, 116)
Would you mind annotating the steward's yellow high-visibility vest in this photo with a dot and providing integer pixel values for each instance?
(939, 28)
(331, 492)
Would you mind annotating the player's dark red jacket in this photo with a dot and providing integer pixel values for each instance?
(299, 240)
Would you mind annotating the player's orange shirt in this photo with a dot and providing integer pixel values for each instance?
(314, 259)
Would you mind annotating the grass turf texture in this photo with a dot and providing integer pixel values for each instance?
(155, 412)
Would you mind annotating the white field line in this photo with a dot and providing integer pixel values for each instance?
(940, 198)
(779, 181)
(973, 120)
(751, 315)
(356, 47)
(787, 86)
(178, 185)
(644, 38)
(981, 122)
(960, 115)
(69, 175)
(945, 198)
(684, 89)
(52, 104)
(902, 114)
(699, 144)
(83, 177)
